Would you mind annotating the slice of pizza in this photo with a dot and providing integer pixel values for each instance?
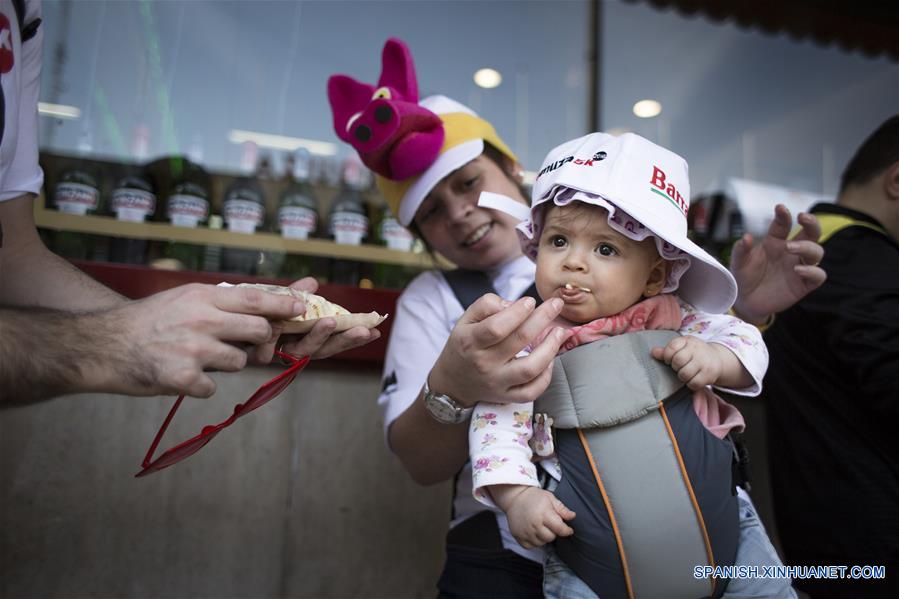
(318, 307)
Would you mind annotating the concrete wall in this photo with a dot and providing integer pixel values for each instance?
(298, 499)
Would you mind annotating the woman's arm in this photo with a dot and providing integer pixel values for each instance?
(477, 363)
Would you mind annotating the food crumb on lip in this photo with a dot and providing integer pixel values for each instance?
(570, 287)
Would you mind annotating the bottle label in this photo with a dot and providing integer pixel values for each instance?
(76, 198)
(243, 216)
(395, 235)
(349, 227)
(187, 210)
(133, 204)
(296, 222)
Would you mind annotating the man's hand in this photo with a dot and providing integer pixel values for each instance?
(320, 342)
(478, 362)
(170, 339)
(774, 275)
(536, 516)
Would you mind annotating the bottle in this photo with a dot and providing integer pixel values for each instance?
(244, 212)
(212, 254)
(187, 206)
(76, 192)
(297, 213)
(133, 200)
(348, 223)
(390, 233)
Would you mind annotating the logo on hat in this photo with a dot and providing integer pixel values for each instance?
(668, 190)
(578, 161)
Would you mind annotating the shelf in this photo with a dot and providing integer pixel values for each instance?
(104, 225)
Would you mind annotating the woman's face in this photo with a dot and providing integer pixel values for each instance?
(452, 223)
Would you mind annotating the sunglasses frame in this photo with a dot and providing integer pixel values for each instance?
(264, 394)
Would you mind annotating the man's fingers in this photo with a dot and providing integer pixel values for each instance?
(740, 251)
(244, 300)
(782, 223)
(808, 252)
(355, 337)
(308, 284)
(313, 340)
(255, 330)
(812, 276)
(225, 358)
(811, 228)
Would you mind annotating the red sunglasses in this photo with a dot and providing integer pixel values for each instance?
(264, 394)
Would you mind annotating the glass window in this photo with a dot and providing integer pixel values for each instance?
(157, 78)
(740, 103)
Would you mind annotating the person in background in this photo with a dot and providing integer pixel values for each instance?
(444, 357)
(62, 332)
(833, 386)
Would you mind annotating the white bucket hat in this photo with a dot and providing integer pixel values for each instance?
(646, 182)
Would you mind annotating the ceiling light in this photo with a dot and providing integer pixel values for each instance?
(488, 78)
(282, 142)
(646, 109)
(60, 111)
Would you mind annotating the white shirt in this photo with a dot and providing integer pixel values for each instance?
(426, 313)
(20, 172)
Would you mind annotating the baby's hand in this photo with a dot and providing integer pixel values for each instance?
(696, 362)
(536, 517)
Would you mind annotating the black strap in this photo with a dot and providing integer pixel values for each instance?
(26, 32)
(469, 285)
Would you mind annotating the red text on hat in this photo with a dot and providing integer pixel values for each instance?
(669, 191)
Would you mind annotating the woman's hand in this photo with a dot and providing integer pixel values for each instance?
(775, 274)
(478, 362)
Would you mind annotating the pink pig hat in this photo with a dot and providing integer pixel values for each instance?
(410, 145)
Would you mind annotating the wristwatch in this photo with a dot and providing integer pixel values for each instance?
(443, 408)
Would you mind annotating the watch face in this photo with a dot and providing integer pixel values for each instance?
(442, 410)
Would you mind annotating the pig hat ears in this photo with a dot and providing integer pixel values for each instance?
(410, 145)
(395, 137)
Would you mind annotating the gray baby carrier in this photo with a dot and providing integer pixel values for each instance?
(652, 487)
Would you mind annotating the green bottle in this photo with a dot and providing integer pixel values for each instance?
(188, 206)
(76, 192)
(297, 213)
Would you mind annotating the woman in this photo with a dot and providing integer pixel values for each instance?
(442, 359)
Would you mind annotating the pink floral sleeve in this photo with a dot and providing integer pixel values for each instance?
(498, 441)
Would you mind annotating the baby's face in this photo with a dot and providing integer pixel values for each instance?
(593, 268)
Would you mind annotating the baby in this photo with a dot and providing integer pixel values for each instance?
(607, 230)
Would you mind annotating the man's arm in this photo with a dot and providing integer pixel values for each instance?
(775, 274)
(31, 275)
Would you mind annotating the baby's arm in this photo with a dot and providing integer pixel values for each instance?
(503, 474)
(740, 358)
(698, 363)
(536, 516)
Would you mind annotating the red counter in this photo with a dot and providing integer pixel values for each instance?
(140, 281)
